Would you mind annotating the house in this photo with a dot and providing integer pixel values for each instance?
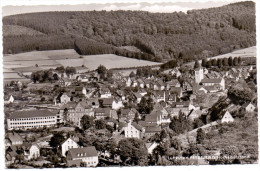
(107, 102)
(129, 114)
(14, 139)
(249, 107)
(218, 82)
(138, 97)
(177, 91)
(121, 94)
(178, 107)
(31, 151)
(117, 104)
(93, 102)
(128, 82)
(132, 130)
(194, 114)
(151, 146)
(170, 97)
(10, 100)
(105, 93)
(31, 119)
(80, 90)
(147, 83)
(134, 82)
(175, 72)
(69, 143)
(83, 78)
(86, 155)
(103, 113)
(72, 112)
(227, 118)
(65, 81)
(140, 83)
(211, 89)
(159, 96)
(154, 118)
(186, 86)
(64, 98)
(10, 154)
(151, 130)
(143, 92)
(173, 83)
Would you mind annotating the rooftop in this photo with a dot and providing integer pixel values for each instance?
(30, 114)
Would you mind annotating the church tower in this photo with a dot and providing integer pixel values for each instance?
(198, 75)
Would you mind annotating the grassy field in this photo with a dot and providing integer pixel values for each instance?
(114, 61)
(26, 62)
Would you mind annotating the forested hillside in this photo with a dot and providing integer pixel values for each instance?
(159, 36)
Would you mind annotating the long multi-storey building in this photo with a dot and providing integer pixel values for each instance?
(31, 119)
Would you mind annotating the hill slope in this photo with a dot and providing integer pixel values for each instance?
(160, 36)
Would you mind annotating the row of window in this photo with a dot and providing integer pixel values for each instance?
(21, 127)
(26, 119)
(21, 123)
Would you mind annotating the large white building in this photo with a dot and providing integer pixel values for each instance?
(31, 119)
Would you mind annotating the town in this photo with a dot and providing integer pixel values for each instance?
(73, 117)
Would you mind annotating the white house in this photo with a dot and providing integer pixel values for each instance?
(227, 118)
(86, 155)
(151, 146)
(117, 104)
(11, 99)
(132, 130)
(31, 151)
(249, 107)
(68, 144)
(64, 98)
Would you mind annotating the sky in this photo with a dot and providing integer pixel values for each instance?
(11, 7)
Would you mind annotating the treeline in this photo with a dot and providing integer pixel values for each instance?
(51, 75)
(159, 36)
(236, 61)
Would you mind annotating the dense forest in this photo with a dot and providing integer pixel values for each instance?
(157, 36)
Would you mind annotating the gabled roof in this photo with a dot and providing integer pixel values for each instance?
(137, 95)
(246, 104)
(14, 137)
(31, 113)
(83, 152)
(26, 146)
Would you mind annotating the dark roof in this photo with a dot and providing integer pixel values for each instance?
(215, 80)
(31, 113)
(83, 152)
(152, 129)
(108, 101)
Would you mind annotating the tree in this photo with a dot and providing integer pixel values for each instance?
(101, 69)
(145, 106)
(87, 122)
(220, 63)
(132, 74)
(209, 64)
(204, 62)
(214, 62)
(239, 60)
(225, 62)
(235, 61)
(100, 124)
(133, 151)
(200, 136)
(196, 64)
(230, 61)
(180, 124)
(56, 139)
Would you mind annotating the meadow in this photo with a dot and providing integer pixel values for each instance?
(42, 60)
